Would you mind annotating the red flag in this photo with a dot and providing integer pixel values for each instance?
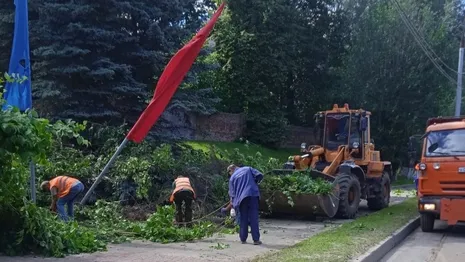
(170, 80)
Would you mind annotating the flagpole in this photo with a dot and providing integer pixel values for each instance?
(33, 181)
(105, 170)
(175, 71)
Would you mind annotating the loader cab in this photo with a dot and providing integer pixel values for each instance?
(336, 128)
(346, 128)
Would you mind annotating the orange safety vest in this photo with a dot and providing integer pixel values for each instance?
(63, 184)
(182, 183)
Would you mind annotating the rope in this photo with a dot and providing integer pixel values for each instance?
(202, 218)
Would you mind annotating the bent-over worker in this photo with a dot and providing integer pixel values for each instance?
(245, 196)
(64, 190)
(183, 193)
(229, 208)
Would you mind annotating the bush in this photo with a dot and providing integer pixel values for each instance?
(24, 226)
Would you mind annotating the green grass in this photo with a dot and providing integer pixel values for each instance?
(402, 180)
(350, 239)
(247, 149)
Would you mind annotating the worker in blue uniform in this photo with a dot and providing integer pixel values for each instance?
(245, 196)
(415, 178)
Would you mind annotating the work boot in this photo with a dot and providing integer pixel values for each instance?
(257, 242)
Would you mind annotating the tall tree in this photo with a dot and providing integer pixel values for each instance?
(386, 70)
(274, 58)
(7, 9)
(100, 56)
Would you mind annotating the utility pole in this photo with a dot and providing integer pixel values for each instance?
(458, 95)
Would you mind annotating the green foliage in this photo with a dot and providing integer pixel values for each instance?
(53, 237)
(106, 220)
(24, 226)
(110, 77)
(257, 161)
(6, 31)
(384, 61)
(274, 62)
(244, 146)
(290, 185)
(160, 228)
(68, 160)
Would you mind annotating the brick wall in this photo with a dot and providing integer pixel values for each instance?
(222, 127)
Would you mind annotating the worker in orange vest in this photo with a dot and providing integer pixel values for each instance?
(64, 190)
(183, 193)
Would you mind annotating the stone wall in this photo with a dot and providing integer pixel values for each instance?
(229, 127)
(222, 127)
(297, 135)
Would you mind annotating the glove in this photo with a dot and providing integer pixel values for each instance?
(224, 211)
(233, 213)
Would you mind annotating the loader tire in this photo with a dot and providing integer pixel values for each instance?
(349, 196)
(382, 194)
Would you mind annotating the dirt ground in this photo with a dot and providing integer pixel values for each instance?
(275, 233)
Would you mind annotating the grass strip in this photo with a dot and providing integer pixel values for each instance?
(350, 239)
(403, 180)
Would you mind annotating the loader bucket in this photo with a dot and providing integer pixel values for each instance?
(304, 204)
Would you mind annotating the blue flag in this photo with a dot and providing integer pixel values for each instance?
(19, 93)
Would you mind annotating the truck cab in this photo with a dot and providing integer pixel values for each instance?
(441, 172)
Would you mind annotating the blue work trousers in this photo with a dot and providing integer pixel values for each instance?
(249, 215)
(68, 200)
(238, 217)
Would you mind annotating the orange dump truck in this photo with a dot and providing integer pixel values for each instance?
(441, 176)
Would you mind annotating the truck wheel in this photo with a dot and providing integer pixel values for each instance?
(349, 195)
(427, 222)
(382, 194)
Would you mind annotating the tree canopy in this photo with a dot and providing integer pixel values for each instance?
(277, 61)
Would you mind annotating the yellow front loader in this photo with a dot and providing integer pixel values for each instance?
(345, 157)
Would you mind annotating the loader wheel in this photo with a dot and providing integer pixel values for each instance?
(349, 195)
(382, 194)
(427, 222)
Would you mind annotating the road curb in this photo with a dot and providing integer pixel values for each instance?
(377, 252)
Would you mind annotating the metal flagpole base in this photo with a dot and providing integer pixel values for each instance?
(104, 171)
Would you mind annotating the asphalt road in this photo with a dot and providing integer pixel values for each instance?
(445, 244)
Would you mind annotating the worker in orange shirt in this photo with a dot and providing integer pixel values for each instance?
(183, 192)
(64, 190)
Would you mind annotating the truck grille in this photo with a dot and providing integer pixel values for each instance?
(448, 186)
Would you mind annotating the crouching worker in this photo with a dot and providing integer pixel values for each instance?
(183, 193)
(64, 190)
